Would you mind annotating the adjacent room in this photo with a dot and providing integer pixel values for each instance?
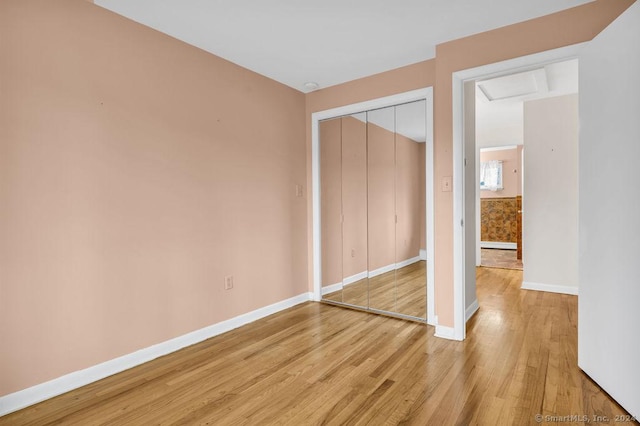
(293, 212)
(527, 142)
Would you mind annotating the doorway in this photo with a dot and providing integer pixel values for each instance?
(465, 198)
(500, 190)
(537, 109)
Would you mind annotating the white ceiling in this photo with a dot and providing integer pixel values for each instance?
(500, 122)
(327, 41)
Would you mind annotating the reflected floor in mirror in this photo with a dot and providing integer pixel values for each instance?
(401, 291)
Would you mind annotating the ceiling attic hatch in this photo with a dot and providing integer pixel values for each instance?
(515, 85)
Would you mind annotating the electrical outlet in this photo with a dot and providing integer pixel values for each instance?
(353, 252)
(228, 282)
(299, 192)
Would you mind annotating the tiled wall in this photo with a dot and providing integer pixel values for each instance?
(498, 219)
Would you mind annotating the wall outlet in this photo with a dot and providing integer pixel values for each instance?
(228, 282)
(299, 191)
(353, 252)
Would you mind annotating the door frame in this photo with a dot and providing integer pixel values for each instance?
(497, 69)
(425, 94)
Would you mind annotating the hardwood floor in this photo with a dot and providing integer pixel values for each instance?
(497, 258)
(401, 291)
(321, 364)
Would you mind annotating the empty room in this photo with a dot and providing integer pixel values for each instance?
(268, 212)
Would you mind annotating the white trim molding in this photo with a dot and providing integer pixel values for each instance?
(407, 262)
(423, 254)
(498, 245)
(498, 148)
(366, 274)
(355, 278)
(382, 270)
(551, 288)
(471, 309)
(393, 266)
(445, 332)
(331, 288)
(24, 398)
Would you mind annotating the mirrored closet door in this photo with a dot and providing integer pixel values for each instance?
(373, 210)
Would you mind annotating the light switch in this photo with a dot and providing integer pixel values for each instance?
(446, 183)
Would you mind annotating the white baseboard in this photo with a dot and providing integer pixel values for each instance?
(355, 278)
(551, 288)
(382, 270)
(423, 254)
(349, 280)
(471, 309)
(407, 262)
(445, 332)
(364, 274)
(331, 288)
(393, 266)
(498, 245)
(24, 398)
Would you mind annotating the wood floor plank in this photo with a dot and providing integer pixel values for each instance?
(318, 364)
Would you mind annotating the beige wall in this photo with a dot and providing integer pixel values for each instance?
(550, 204)
(381, 197)
(511, 173)
(136, 172)
(363, 178)
(343, 188)
(409, 180)
(331, 205)
(520, 169)
(354, 196)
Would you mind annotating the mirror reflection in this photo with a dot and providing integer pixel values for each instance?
(373, 213)
(410, 209)
(331, 208)
(354, 210)
(381, 208)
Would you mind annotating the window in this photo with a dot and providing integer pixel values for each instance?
(491, 175)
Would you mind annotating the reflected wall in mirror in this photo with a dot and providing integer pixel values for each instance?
(411, 296)
(331, 208)
(354, 210)
(381, 208)
(373, 213)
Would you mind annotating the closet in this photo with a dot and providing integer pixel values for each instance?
(373, 212)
